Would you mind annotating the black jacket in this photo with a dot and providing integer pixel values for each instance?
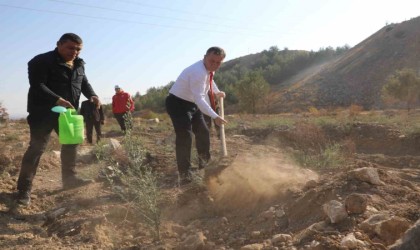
(91, 113)
(50, 78)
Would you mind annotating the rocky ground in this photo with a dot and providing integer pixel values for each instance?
(256, 198)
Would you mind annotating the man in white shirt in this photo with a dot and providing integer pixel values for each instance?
(186, 104)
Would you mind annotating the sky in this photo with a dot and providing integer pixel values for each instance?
(139, 44)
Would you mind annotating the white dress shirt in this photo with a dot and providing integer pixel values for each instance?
(193, 85)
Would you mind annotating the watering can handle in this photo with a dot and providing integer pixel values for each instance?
(66, 115)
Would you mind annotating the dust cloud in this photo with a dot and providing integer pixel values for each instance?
(259, 175)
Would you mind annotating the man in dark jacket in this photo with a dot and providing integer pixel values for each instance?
(93, 117)
(55, 78)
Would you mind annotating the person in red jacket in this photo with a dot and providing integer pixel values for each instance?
(122, 106)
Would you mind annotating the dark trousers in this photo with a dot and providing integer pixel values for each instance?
(90, 124)
(40, 131)
(188, 120)
(123, 120)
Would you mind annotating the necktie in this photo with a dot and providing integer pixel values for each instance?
(212, 102)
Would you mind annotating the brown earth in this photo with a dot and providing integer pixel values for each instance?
(255, 193)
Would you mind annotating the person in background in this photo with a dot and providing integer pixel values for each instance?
(186, 104)
(93, 117)
(122, 105)
(55, 78)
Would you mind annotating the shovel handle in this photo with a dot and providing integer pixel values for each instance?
(222, 128)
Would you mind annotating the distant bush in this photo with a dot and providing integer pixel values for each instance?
(154, 99)
(314, 150)
(313, 111)
(330, 156)
(355, 109)
(308, 136)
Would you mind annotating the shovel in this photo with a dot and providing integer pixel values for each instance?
(215, 168)
(222, 129)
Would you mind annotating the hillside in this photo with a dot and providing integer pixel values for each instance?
(358, 77)
(329, 77)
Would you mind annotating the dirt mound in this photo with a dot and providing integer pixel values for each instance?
(256, 178)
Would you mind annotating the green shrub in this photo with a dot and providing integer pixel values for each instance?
(133, 180)
(332, 156)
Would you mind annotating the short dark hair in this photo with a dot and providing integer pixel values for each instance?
(70, 37)
(217, 51)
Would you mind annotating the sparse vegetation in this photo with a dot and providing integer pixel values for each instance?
(313, 149)
(11, 137)
(101, 151)
(273, 121)
(330, 156)
(355, 109)
(314, 111)
(132, 179)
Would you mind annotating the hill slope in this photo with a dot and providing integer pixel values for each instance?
(329, 77)
(359, 74)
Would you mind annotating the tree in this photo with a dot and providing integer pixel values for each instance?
(251, 91)
(404, 85)
(274, 49)
(154, 99)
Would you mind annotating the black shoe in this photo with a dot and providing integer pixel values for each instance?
(24, 198)
(75, 182)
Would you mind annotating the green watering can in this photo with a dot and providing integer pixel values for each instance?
(70, 126)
